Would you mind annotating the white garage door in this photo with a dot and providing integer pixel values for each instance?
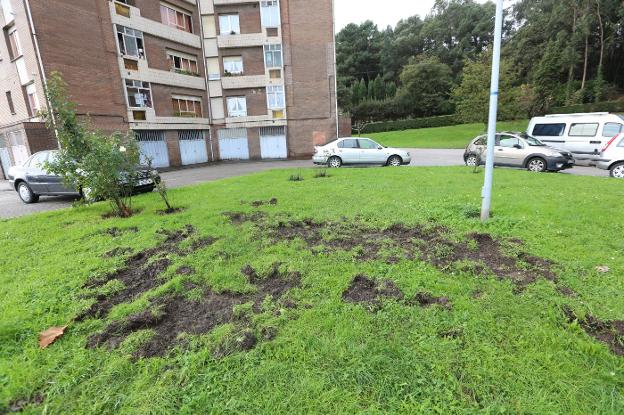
(273, 143)
(153, 146)
(18, 147)
(192, 147)
(233, 144)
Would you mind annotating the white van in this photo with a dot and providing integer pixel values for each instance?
(583, 135)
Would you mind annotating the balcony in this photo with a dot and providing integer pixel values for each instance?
(240, 82)
(240, 41)
(228, 2)
(254, 121)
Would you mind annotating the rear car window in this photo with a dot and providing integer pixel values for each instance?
(348, 143)
(549, 130)
(583, 130)
(611, 129)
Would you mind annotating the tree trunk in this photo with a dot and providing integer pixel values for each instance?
(601, 25)
(585, 63)
(571, 70)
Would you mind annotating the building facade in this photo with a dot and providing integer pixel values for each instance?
(196, 80)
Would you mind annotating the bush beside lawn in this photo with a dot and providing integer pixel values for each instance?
(486, 344)
(456, 136)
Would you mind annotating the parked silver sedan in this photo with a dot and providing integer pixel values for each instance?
(352, 150)
(612, 157)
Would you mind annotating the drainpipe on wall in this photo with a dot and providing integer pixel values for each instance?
(335, 68)
(44, 80)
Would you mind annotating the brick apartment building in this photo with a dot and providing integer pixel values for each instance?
(196, 80)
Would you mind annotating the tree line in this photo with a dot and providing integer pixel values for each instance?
(555, 53)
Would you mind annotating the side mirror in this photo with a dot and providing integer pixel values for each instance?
(379, 148)
(518, 146)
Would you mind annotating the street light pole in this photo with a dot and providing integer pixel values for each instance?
(486, 193)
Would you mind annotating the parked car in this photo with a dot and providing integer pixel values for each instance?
(612, 157)
(30, 180)
(584, 135)
(358, 150)
(519, 150)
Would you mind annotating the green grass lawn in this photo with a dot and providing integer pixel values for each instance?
(457, 136)
(294, 339)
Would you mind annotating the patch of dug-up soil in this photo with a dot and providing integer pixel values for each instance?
(431, 243)
(371, 293)
(116, 232)
(610, 333)
(258, 203)
(172, 211)
(142, 271)
(172, 315)
(18, 405)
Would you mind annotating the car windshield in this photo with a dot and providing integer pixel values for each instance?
(532, 141)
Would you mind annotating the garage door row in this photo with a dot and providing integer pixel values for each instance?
(233, 145)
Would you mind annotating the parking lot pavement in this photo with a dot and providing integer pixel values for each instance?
(11, 206)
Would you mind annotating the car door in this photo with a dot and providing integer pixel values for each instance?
(371, 152)
(509, 150)
(35, 174)
(55, 182)
(349, 151)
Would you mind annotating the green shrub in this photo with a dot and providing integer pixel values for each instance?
(411, 124)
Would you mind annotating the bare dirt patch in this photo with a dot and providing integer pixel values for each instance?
(478, 253)
(171, 211)
(117, 252)
(116, 232)
(258, 203)
(18, 405)
(610, 333)
(142, 271)
(172, 315)
(371, 293)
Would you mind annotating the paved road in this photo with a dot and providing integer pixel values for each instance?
(11, 206)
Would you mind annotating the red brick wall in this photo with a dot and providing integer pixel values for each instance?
(161, 97)
(156, 53)
(253, 59)
(77, 40)
(249, 16)
(256, 100)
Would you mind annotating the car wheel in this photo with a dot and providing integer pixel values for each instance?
(26, 194)
(537, 165)
(395, 161)
(334, 162)
(471, 160)
(617, 171)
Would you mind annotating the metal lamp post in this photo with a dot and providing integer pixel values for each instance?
(489, 164)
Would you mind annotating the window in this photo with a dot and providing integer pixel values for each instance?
(229, 24)
(33, 99)
(276, 97)
(184, 64)
(583, 130)
(368, 144)
(37, 160)
(139, 94)
(9, 98)
(233, 65)
(549, 130)
(508, 141)
(187, 107)
(621, 143)
(270, 13)
(130, 42)
(15, 47)
(176, 18)
(611, 129)
(7, 10)
(237, 106)
(348, 143)
(273, 56)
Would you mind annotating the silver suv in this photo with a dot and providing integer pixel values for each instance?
(612, 157)
(519, 150)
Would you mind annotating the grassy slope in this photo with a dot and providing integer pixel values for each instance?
(517, 354)
(456, 136)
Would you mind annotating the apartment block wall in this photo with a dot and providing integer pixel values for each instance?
(77, 40)
(310, 74)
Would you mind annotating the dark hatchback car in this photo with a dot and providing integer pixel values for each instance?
(30, 180)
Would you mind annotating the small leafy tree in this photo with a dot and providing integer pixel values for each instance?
(161, 188)
(103, 167)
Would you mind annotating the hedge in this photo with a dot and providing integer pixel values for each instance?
(411, 124)
(607, 106)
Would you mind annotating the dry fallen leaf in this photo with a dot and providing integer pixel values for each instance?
(49, 336)
(602, 269)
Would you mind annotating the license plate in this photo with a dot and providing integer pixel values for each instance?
(145, 182)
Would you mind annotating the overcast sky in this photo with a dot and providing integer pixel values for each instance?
(382, 12)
